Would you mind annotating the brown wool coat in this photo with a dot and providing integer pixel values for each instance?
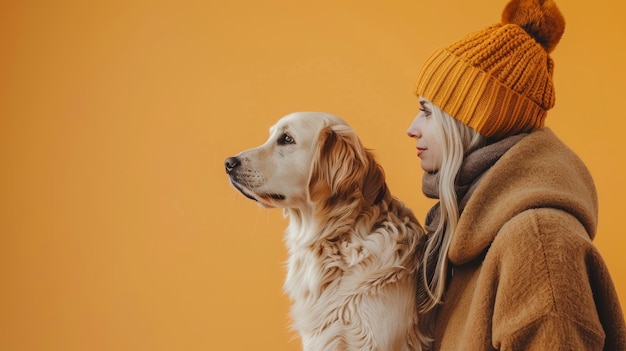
(526, 275)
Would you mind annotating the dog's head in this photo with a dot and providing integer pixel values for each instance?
(310, 158)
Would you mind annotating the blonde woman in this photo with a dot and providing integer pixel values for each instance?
(509, 263)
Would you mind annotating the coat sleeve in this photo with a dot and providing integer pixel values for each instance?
(546, 287)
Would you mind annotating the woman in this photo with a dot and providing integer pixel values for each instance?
(509, 262)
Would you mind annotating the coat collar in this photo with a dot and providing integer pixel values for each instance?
(539, 171)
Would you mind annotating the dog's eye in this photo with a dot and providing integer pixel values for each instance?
(286, 139)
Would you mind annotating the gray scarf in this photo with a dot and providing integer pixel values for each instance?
(473, 168)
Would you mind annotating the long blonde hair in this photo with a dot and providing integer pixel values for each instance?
(457, 140)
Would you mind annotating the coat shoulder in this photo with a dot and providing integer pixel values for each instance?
(543, 259)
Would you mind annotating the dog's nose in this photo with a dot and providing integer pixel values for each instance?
(231, 164)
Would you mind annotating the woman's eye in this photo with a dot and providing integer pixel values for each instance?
(286, 139)
(424, 108)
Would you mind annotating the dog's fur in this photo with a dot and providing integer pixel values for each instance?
(352, 245)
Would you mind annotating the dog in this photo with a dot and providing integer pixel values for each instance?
(352, 246)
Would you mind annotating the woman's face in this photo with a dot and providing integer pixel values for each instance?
(423, 130)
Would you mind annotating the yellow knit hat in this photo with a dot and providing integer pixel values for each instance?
(498, 80)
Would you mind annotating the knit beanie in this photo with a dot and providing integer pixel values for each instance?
(498, 81)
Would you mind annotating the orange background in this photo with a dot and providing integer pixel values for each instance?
(119, 230)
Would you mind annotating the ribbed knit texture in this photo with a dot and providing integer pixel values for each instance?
(497, 81)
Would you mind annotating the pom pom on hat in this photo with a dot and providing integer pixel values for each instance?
(541, 19)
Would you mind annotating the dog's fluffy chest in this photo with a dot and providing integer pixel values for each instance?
(319, 266)
(329, 281)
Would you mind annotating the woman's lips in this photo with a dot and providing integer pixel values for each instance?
(420, 150)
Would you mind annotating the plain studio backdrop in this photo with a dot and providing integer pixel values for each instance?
(118, 227)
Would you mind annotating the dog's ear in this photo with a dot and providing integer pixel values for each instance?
(344, 171)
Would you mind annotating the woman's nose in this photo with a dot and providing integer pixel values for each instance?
(413, 131)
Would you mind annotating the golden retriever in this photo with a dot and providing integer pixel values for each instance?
(351, 271)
